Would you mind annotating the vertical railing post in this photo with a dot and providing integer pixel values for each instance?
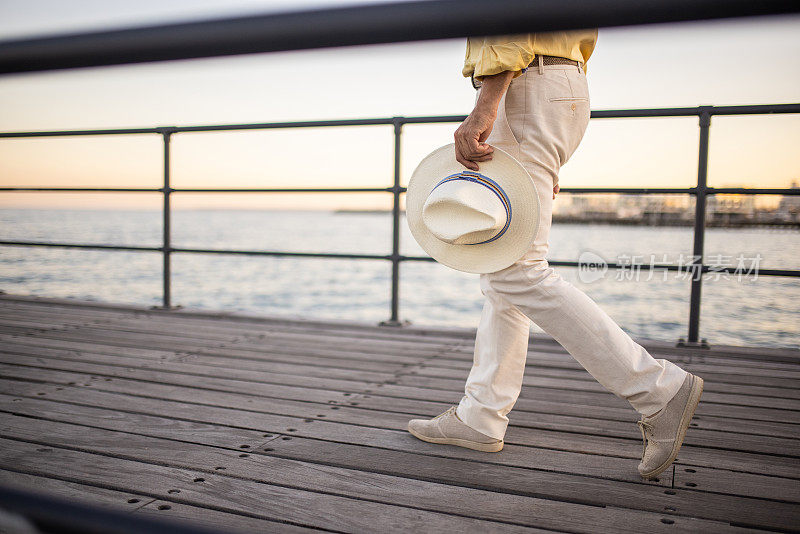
(166, 302)
(394, 319)
(699, 230)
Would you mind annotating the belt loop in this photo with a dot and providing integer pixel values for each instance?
(541, 63)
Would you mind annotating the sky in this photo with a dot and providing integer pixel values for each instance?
(744, 61)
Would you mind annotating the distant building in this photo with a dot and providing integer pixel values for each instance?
(789, 207)
(722, 210)
(728, 209)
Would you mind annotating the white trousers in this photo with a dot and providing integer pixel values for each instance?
(540, 121)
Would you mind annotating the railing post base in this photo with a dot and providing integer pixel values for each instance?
(702, 344)
(167, 308)
(391, 322)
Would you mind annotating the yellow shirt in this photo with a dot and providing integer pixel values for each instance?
(493, 55)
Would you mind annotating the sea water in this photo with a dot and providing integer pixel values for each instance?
(740, 308)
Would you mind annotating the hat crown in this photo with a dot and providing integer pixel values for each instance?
(466, 209)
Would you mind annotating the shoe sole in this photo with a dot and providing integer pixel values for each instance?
(688, 413)
(474, 445)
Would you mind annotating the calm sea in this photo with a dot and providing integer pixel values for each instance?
(737, 310)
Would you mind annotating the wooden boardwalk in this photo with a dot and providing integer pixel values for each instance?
(268, 425)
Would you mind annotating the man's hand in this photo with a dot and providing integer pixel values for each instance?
(556, 189)
(470, 136)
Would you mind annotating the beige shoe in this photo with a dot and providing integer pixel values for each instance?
(663, 432)
(446, 428)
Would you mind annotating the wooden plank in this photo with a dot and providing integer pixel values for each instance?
(600, 396)
(599, 418)
(121, 501)
(142, 505)
(681, 500)
(753, 426)
(281, 372)
(537, 484)
(263, 392)
(190, 344)
(44, 309)
(337, 350)
(775, 356)
(775, 445)
(386, 388)
(538, 437)
(36, 326)
(546, 458)
(165, 316)
(554, 399)
(747, 395)
(326, 397)
(239, 322)
(308, 361)
(256, 499)
(461, 358)
(786, 380)
(158, 328)
(31, 344)
(172, 428)
(208, 358)
(737, 399)
(370, 418)
(531, 397)
(61, 406)
(421, 494)
(332, 357)
(210, 518)
(318, 338)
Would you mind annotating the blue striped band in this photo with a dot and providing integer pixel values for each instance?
(494, 187)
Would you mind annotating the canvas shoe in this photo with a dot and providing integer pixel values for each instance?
(447, 428)
(663, 432)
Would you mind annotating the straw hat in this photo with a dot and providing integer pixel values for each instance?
(473, 221)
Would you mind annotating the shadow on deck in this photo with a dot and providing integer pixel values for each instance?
(276, 425)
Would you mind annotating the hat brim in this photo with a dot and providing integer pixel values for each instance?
(488, 257)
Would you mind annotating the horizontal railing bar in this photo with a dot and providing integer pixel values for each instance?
(753, 109)
(85, 189)
(685, 191)
(356, 25)
(291, 190)
(207, 128)
(610, 265)
(757, 109)
(80, 245)
(72, 133)
(572, 190)
(383, 121)
(205, 190)
(751, 191)
(630, 190)
(285, 254)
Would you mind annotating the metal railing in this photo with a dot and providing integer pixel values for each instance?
(358, 25)
(700, 192)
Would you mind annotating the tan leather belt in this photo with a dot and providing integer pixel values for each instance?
(552, 60)
(546, 60)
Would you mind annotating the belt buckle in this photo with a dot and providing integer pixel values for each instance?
(472, 79)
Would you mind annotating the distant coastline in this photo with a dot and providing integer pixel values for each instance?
(650, 219)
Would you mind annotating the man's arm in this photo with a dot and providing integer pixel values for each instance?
(470, 136)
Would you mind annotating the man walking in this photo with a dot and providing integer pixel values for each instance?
(533, 102)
